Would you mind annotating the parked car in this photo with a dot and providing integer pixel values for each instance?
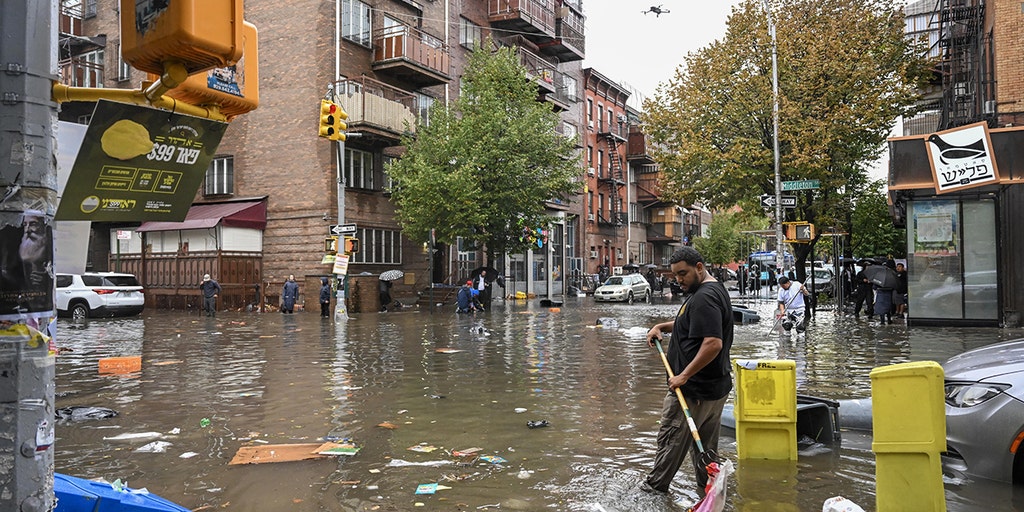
(628, 287)
(824, 282)
(985, 412)
(99, 294)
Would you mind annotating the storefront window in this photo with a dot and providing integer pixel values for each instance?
(952, 261)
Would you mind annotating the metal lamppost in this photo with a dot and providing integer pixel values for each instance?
(779, 251)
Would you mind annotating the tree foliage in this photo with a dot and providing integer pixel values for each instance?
(845, 73)
(873, 232)
(487, 162)
(725, 241)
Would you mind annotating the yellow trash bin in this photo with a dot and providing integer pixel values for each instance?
(766, 409)
(908, 416)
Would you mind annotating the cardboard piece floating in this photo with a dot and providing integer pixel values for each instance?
(277, 453)
(120, 365)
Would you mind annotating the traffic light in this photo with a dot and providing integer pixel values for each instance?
(331, 244)
(332, 124)
(351, 245)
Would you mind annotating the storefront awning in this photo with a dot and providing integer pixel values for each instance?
(242, 214)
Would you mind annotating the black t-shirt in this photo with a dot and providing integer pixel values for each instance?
(707, 313)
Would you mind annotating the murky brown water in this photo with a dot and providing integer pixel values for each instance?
(270, 378)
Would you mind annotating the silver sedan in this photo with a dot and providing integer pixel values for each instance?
(985, 412)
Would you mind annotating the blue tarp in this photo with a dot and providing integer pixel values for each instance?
(80, 495)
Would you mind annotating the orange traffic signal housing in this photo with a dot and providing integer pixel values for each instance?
(201, 34)
(235, 88)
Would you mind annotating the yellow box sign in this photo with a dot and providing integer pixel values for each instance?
(201, 34)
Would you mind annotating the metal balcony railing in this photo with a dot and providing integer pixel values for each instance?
(80, 72)
(538, 15)
(404, 43)
(368, 101)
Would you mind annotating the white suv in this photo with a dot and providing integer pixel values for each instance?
(99, 294)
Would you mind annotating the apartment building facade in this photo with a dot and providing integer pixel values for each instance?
(386, 62)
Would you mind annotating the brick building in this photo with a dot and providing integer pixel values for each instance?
(386, 61)
(964, 241)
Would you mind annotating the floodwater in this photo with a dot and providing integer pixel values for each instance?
(209, 386)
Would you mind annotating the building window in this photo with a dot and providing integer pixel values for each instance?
(220, 176)
(85, 70)
(600, 163)
(590, 112)
(90, 8)
(423, 104)
(123, 68)
(389, 183)
(572, 92)
(378, 246)
(358, 169)
(469, 33)
(466, 251)
(355, 22)
(570, 132)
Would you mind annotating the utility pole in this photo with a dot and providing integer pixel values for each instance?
(28, 181)
(779, 250)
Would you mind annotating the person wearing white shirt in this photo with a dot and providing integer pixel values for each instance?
(791, 304)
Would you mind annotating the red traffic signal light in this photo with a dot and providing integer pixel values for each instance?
(332, 125)
(328, 119)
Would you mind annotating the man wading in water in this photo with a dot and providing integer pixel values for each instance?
(698, 352)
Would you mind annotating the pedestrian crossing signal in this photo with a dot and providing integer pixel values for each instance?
(332, 125)
(799, 232)
(331, 244)
(351, 245)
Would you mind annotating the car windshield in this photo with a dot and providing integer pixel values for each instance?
(614, 280)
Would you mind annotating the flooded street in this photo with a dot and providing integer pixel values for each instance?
(209, 386)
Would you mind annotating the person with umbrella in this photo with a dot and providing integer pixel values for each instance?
(384, 286)
(483, 285)
(884, 280)
(864, 291)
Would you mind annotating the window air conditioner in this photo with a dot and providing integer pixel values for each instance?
(622, 118)
(590, 171)
(590, 124)
(593, 254)
(590, 216)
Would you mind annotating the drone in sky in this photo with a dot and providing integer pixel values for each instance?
(657, 10)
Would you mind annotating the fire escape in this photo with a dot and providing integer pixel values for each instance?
(967, 85)
(614, 134)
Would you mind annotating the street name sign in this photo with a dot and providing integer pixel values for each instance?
(342, 229)
(768, 201)
(800, 185)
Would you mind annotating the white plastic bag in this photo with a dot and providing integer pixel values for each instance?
(840, 504)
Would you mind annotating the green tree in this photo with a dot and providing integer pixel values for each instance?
(846, 72)
(873, 232)
(487, 163)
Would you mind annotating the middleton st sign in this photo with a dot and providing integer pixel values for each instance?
(800, 185)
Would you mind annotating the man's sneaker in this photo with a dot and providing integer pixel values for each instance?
(646, 487)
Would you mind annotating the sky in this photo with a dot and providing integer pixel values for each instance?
(644, 50)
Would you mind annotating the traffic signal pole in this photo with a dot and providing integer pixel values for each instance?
(28, 180)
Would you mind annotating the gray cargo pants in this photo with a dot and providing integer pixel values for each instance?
(675, 439)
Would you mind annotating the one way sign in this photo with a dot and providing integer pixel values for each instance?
(768, 201)
(342, 229)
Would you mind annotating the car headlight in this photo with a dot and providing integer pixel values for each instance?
(970, 394)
